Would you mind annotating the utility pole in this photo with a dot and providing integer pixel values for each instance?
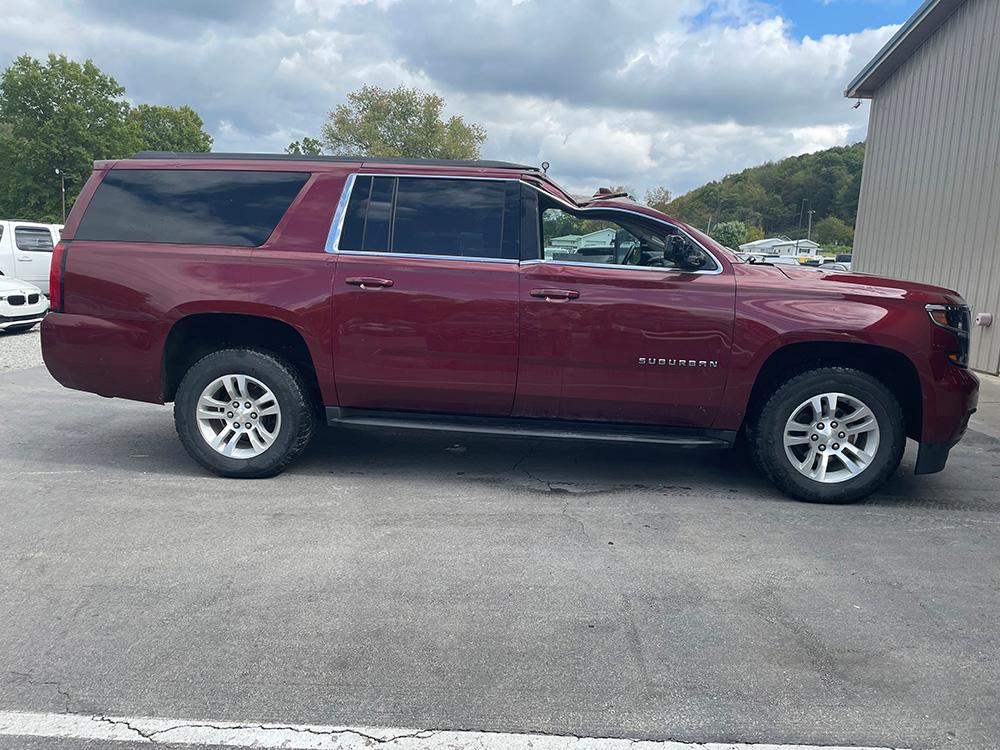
(62, 178)
(809, 235)
(798, 232)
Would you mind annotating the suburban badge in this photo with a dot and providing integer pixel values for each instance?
(661, 362)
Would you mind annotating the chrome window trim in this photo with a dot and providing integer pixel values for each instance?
(583, 264)
(422, 256)
(337, 226)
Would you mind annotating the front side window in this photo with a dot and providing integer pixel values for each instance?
(33, 239)
(596, 237)
(464, 218)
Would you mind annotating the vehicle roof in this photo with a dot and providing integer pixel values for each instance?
(219, 156)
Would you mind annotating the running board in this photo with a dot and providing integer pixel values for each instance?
(533, 428)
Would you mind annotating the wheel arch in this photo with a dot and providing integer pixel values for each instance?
(193, 336)
(891, 367)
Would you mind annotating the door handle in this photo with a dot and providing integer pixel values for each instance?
(24, 259)
(368, 282)
(554, 294)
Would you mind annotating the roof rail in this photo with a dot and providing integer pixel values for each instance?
(211, 155)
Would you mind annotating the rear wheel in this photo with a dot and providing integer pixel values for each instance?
(243, 413)
(831, 435)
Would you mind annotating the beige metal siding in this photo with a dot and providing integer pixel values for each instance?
(930, 192)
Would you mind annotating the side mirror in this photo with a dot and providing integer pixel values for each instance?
(684, 254)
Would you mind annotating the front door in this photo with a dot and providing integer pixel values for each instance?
(612, 330)
(425, 295)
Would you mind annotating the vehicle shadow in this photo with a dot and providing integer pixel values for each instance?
(117, 440)
(530, 465)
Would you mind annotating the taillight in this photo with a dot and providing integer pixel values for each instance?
(56, 272)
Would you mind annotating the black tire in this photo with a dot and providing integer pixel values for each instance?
(20, 329)
(766, 435)
(290, 392)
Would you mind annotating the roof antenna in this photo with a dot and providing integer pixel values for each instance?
(545, 167)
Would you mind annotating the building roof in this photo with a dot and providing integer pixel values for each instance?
(799, 243)
(210, 155)
(928, 18)
(769, 242)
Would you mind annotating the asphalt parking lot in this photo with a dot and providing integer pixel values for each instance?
(443, 583)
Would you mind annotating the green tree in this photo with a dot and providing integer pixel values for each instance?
(399, 122)
(833, 231)
(731, 234)
(168, 129)
(772, 196)
(658, 198)
(63, 115)
(754, 234)
(56, 115)
(306, 147)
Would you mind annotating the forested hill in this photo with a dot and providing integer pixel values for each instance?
(770, 196)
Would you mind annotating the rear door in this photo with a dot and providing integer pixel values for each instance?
(425, 295)
(33, 245)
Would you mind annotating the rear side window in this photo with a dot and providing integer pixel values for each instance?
(433, 216)
(33, 239)
(189, 207)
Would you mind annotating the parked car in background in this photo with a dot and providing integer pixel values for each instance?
(26, 251)
(416, 294)
(22, 305)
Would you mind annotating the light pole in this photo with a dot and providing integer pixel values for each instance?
(62, 179)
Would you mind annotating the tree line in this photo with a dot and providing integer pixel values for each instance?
(63, 115)
(775, 198)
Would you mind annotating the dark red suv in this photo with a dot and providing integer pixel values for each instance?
(260, 292)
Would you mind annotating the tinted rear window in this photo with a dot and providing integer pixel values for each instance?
(35, 239)
(189, 207)
(433, 216)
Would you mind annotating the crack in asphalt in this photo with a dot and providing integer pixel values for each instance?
(29, 677)
(571, 517)
(152, 736)
(549, 485)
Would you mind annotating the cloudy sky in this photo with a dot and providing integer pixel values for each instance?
(635, 92)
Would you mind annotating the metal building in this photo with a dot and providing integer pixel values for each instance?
(930, 191)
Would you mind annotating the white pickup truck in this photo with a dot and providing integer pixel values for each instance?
(26, 251)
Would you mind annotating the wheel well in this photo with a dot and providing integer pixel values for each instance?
(193, 337)
(893, 368)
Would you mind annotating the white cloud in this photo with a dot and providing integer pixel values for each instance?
(642, 93)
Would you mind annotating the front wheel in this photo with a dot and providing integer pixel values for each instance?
(831, 435)
(243, 413)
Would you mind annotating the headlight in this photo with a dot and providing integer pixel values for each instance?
(958, 320)
(954, 317)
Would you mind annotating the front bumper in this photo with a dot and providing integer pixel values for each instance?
(946, 417)
(19, 315)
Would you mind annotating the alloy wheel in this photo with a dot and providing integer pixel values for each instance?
(831, 437)
(238, 416)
